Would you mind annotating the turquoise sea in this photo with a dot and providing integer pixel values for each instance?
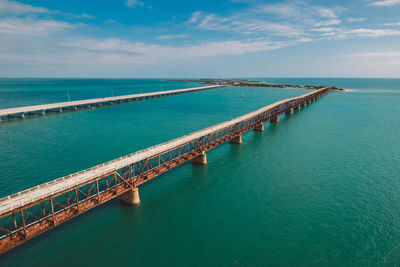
(322, 187)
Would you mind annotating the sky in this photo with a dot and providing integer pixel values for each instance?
(194, 39)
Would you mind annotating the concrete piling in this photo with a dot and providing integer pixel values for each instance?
(200, 159)
(275, 119)
(259, 128)
(131, 197)
(236, 140)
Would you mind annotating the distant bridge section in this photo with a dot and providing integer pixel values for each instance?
(29, 213)
(22, 112)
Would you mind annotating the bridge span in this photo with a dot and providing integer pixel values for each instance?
(29, 213)
(22, 112)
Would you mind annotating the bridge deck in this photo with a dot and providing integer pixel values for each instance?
(43, 191)
(79, 103)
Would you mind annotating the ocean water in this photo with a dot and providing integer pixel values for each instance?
(321, 187)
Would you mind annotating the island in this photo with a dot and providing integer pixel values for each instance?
(249, 83)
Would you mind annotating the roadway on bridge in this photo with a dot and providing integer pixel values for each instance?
(22, 111)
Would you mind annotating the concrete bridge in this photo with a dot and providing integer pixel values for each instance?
(22, 112)
(29, 213)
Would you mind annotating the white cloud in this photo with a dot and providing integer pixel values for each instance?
(392, 24)
(195, 17)
(87, 16)
(326, 12)
(172, 36)
(372, 54)
(324, 29)
(301, 12)
(13, 7)
(115, 48)
(385, 3)
(81, 16)
(370, 33)
(27, 26)
(355, 19)
(244, 25)
(133, 3)
(327, 22)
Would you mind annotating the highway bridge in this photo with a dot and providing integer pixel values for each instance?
(22, 112)
(29, 213)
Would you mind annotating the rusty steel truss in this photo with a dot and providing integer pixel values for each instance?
(23, 223)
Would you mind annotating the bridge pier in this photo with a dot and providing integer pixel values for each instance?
(289, 112)
(274, 119)
(131, 197)
(200, 159)
(259, 128)
(297, 107)
(304, 104)
(236, 140)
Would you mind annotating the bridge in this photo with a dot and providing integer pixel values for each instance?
(22, 112)
(29, 213)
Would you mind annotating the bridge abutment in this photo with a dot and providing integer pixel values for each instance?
(259, 128)
(131, 197)
(200, 159)
(236, 140)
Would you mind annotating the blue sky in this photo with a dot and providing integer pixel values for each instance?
(231, 38)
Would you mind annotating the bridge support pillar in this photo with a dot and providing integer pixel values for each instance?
(274, 119)
(200, 159)
(131, 197)
(304, 104)
(259, 128)
(297, 107)
(289, 112)
(236, 140)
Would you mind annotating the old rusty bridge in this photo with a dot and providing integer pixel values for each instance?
(29, 213)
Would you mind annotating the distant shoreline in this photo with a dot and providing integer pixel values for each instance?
(248, 83)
